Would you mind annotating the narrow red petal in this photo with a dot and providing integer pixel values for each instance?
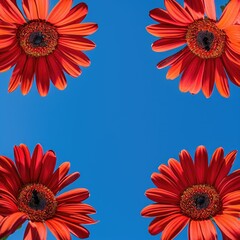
(230, 14)
(174, 227)
(48, 165)
(42, 76)
(208, 77)
(36, 163)
(201, 164)
(210, 9)
(76, 15)
(188, 167)
(58, 229)
(27, 75)
(229, 225)
(221, 79)
(60, 11)
(73, 196)
(177, 12)
(36, 231)
(10, 223)
(195, 8)
(165, 44)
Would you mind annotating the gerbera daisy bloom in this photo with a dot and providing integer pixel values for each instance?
(43, 45)
(212, 48)
(197, 194)
(28, 193)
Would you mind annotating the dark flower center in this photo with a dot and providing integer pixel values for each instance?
(205, 39)
(37, 38)
(37, 201)
(200, 202)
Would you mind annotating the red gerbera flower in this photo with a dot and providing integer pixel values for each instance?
(43, 45)
(212, 51)
(196, 194)
(28, 192)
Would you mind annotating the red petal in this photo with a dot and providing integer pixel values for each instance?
(66, 181)
(229, 159)
(56, 73)
(42, 76)
(73, 196)
(17, 73)
(58, 229)
(76, 42)
(165, 44)
(48, 165)
(229, 225)
(230, 14)
(76, 15)
(221, 78)
(10, 223)
(180, 65)
(36, 163)
(173, 59)
(159, 223)
(165, 30)
(36, 231)
(174, 227)
(191, 79)
(58, 175)
(188, 167)
(208, 77)
(27, 75)
(76, 57)
(232, 70)
(195, 8)
(162, 181)
(60, 11)
(216, 165)
(68, 66)
(160, 210)
(37, 9)
(201, 164)
(82, 29)
(202, 230)
(177, 12)
(162, 196)
(210, 9)
(162, 16)
(23, 161)
(10, 12)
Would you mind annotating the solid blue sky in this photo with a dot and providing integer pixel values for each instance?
(119, 120)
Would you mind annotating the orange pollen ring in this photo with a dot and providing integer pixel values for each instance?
(37, 201)
(200, 202)
(37, 38)
(205, 39)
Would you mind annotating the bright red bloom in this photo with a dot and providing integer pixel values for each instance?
(43, 45)
(197, 194)
(212, 48)
(28, 192)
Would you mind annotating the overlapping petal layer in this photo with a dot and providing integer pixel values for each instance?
(206, 58)
(44, 45)
(196, 193)
(28, 191)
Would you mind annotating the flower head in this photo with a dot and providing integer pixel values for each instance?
(212, 50)
(28, 192)
(198, 194)
(43, 45)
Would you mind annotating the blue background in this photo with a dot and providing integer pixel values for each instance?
(119, 120)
